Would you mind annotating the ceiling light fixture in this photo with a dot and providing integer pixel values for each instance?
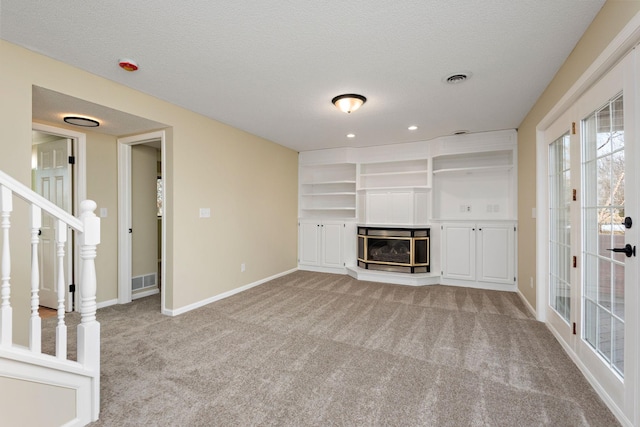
(413, 127)
(81, 121)
(348, 102)
(351, 135)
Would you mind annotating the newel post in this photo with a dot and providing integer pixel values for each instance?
(89, 328)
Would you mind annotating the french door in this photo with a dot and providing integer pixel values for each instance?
(593, 220)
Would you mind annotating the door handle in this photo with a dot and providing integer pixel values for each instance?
(130, 230)
(628, 250)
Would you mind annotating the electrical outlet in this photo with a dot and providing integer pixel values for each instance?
(243, 267)
(468, 208)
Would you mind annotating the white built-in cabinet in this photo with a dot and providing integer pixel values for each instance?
(322, 243)
(479, 252)
(453, 185)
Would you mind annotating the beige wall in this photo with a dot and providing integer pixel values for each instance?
(250, 185)
(144, 219)
(615, 14)
(28, 403)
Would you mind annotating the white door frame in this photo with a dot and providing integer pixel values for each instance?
(124, 214)
(620, 46)
(78, 188)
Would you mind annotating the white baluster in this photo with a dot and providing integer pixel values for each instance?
(61, 329)
(35, 329)
(6, 206)
(89, 328)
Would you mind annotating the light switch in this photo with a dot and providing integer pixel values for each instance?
(205, 212)
(103, 212)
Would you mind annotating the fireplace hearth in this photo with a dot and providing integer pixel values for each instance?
(401, 250)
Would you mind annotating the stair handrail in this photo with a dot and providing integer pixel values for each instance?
(30, 196)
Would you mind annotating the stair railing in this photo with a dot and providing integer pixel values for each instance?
(87, 229)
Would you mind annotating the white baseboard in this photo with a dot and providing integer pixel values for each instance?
(107, 303)
(224, 295)
(143, 294)
(526, 304)
(617, 411)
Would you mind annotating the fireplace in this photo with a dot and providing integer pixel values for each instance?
(401, 250)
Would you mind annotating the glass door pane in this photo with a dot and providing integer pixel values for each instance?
(603, 173)
(560, 226)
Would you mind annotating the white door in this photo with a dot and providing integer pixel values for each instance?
(52, 180)
(594, 187)
(309, 242)
(332, 244)
(459, 251)
(609, 200)
(496, 253)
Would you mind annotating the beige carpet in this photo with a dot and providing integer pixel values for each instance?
(312, 349)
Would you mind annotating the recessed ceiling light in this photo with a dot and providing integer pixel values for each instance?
(81, 121)
(413, 127)
(456, 78)
(351, 135)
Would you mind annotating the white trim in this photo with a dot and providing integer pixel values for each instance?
(124, 223)
(78, 187)
(224, 295)
(124, 213)
(526, 303)
(617, 412)
(147, 293)
(107, 303)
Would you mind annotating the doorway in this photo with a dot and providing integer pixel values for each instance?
(141, 217)
(591, 232)
(58, 174)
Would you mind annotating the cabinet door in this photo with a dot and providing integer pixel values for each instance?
(332, 244)
(309, 242)
(458, 251)
(496, 253)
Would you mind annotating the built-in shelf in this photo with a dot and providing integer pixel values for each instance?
(412, 187)
(327, 191)
(474, 169)
(400, 175)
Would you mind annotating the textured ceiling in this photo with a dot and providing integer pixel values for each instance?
(271, 68)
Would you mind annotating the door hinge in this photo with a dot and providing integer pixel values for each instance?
(573, 128)
(575, 261)
(575, 194)
(514, 228)
(574, 328)
(72, 160)
(72, 287)
(514, 279)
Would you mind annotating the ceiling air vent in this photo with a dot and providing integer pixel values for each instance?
(457, 78)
